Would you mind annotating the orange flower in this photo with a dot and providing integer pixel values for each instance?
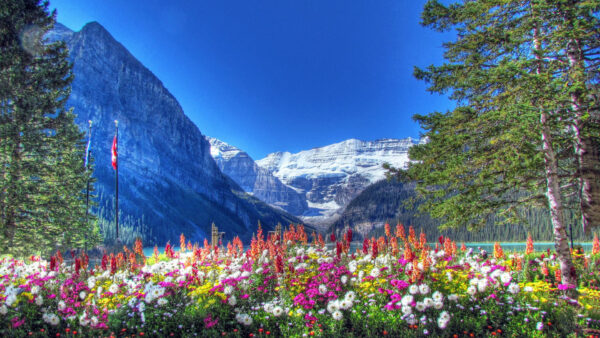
(529, 248)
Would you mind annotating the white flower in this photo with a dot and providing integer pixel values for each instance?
(91, 282)
(231, 301)
(375, 272)
(322, 289)
(39, 300)
(413, 289)
(539, 326)
(482, 285)
(528, 289)
(10, 300)
(350, 296)
(421, 307)
(344, 279)
(407, 300)
(333, 306)
(161, 301)
(453, 297)
(99, 291)
(505, 277)
(437, 296)
(424, 289)
(449, 275)
(486, 269)
(268, 307)
(411, 320)
(53, 319)
(35, 290)
(406, 310)
(438, 305)
(228, 290)
(428, 302)
(114, 288)
(443, 320)
(82, 295)
(244, 319)
(62, 305)
(513, 288)
(345, 304)
(3, 310)
(471, 290)
(94, 321)
(277, 311)
(83, 321)
(337, 315)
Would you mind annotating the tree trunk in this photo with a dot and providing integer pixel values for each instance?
(561, 244)
(586, 144)
(553, 193)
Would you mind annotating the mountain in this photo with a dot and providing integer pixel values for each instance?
(255, 180)
(331, 176)
(168, 181)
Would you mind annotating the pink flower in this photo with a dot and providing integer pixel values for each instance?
(16, 322)
(565, 286)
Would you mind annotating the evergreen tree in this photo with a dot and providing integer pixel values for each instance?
(42, 176)
(519, 136)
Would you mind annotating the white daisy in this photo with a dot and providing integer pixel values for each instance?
(375, 272)
(277, 311)
(413, 289)
(407, 300)
(513, 288)
(424, 289)
(337, 315)
(406, 310)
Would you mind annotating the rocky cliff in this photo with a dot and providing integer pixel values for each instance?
(167, 175)
(255, 180)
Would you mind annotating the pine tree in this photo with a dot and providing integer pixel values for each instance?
(42, 177)
(518, 137)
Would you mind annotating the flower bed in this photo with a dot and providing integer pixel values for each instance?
(396, 285)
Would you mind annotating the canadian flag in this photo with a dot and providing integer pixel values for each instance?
(114, 153)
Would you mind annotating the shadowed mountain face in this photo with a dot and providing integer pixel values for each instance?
(167, 177)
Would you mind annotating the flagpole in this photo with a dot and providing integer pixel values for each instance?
(87, 191)
(117, 181)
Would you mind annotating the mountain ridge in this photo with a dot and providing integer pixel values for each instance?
(167, 176)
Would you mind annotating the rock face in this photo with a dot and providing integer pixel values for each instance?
(167, 175)
(240, 167)
(331, 176)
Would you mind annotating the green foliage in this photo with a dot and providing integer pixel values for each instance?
(507, 66)
(42, 177)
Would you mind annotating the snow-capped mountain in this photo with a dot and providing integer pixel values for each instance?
(331, 176)
(240, 167)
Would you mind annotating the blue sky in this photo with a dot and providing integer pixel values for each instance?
(275, 75)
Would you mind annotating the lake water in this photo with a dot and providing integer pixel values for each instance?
(487, 246)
